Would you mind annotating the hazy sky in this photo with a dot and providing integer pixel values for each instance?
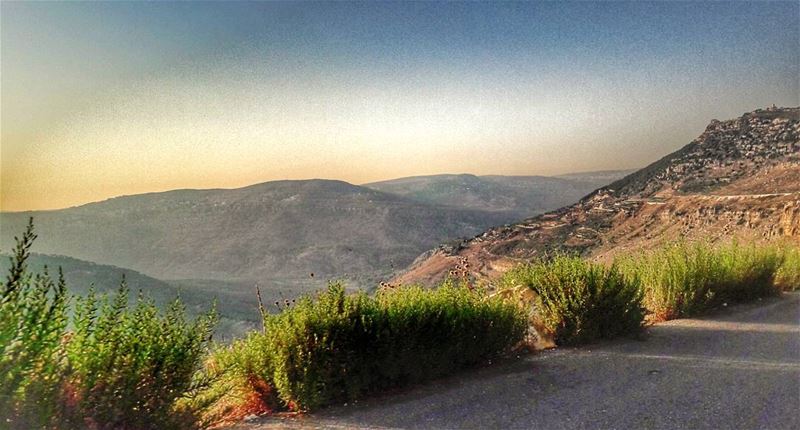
(104, 99)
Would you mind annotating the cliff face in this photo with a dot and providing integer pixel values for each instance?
(739, 178)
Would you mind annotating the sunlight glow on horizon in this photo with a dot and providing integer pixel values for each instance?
(293, 93)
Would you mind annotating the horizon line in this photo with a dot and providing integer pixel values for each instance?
(364, 184)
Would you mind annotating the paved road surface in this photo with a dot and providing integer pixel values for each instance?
(738, 369)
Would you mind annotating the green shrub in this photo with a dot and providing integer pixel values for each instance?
(577, 301)
(788, 277)
(338, 347)
(239, 379)
(682, 280)
(749, 272)
(33, 317)
(128, 366)
(115, 367)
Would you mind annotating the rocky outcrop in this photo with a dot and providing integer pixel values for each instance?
(789, 222)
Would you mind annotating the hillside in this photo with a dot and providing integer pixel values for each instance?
(739, 178)
(81, 275)
(517, 196)
(597, 178)
(272, 232)
(236, 303)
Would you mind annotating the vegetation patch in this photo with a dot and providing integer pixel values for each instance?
(788, 277)
(338, 347)
(238, 384)
(108, 366)
(577, 301)
(680, 279)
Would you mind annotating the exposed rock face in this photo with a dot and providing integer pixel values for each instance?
(739, 178)
(789, 224)
(725, 152)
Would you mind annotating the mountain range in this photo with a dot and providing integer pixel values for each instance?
(292, 235)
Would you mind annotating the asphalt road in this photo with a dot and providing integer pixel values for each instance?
(737, 369)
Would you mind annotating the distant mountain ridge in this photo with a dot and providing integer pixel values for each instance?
(286, 235)
(519, 196)
(739, 178)
(285, 229)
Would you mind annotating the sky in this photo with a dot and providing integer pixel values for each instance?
(105, 99)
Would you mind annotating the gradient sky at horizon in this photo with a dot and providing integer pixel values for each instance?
(106, 99)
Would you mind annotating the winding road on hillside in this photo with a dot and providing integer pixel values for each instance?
(737, 369)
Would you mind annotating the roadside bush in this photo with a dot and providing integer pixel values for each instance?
(110, 366)
(749, 272)
(237, 382)
(577, 301)
(128, 366)
(681, 280)
(338, 347)
(788, 277)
